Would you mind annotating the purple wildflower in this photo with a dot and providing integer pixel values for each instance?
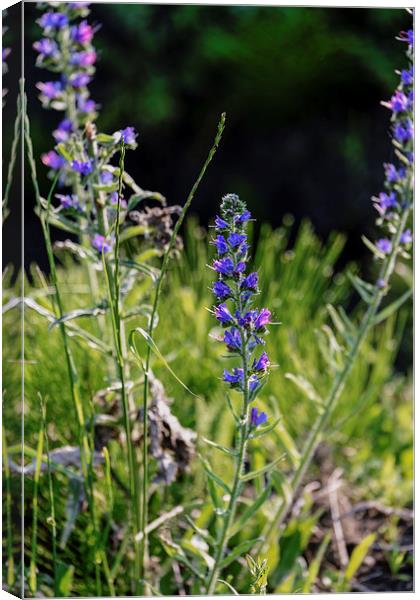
(68, 202)
(220, 223)
(406, 237)
(99, 243)
(399, 102)
(63, 131)
(86, 105)
(114, 200)
(244, 324)
(78, 80)
(407, 76)
(240, 267)
(386, 201)
(253, 383)
(257, 419)
(242, 218)
(128, 135)
(82, 167)
(235, 239)
(221, 244)
(50, 89)
(384, 245)
(82, 33)
(83, 59)
(262, 319)
(46, 47)
(53, 20)
(53, 160)
(222, 314)
(262, 364)
(224, 266)
(250, 282)
(232, 339)
(221, 290)
(237, 376)
(106, 177)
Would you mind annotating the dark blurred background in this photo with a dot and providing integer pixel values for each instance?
(305, 134)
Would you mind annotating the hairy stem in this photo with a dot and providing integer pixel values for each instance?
(230, 514)
(113, 284)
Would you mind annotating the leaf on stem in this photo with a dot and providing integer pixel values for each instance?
(391, 308)
(364, 289)
(75, 314)
(250, 512)
(212, 475)
(223, 449)
(152, 345)
(238, 551)
(263, 470)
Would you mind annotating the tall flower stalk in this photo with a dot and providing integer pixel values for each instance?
(244, 330)
(91, 203)
(394, 206)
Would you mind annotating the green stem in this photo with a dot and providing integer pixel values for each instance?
(51, 495)
(13, 154)
(10, 563)
(113, 285)
(74, 388)
(230, 514)
(271, 530)
(165, 261)
(35, 507)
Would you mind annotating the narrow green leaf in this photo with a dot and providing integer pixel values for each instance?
(391, 308)
(263, 470)
(133, 231)
(35, 507)
(64, 579)
(146, 269)
(372, 247)
(72, 330)
(316, 564)
(358, 556)
(264, 430)
(203, 533)
(210, 473)
(144, 195)
(250, 512)
(62, 149)
(73, 506)
(175, 552)
(229, 586)
(306, 387)
(364, 289)
(105, 138)
(223, 449)
(150, 342)
(240, 549)
(75, 314)
(109, 187)
(197, 551)
(342, 323)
